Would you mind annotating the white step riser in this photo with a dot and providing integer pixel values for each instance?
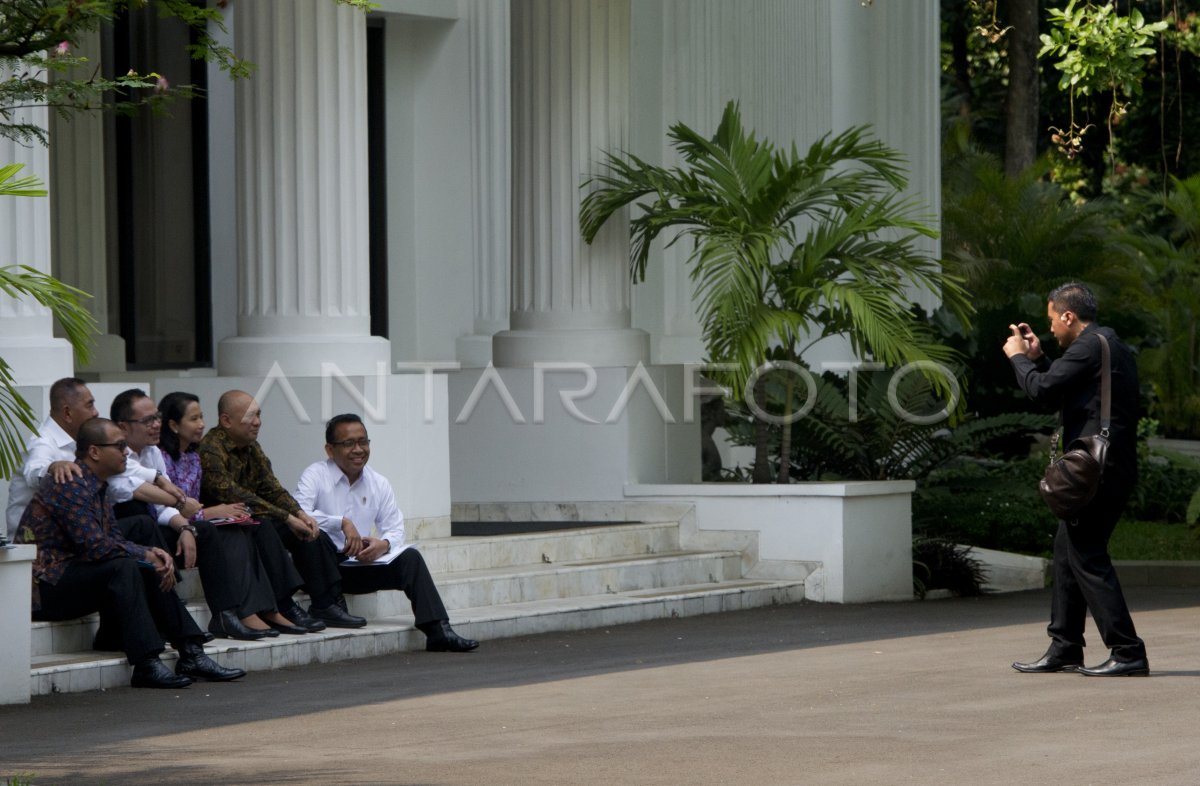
(455, 555)
(565, 582)
(472, 592)
(324, 648)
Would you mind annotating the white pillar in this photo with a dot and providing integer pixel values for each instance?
(77, 214)
(301, 147)
(27, 341)
(491, 174)
(885, 66)
(570, 103)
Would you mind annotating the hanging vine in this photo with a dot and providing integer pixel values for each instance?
(1100, 51)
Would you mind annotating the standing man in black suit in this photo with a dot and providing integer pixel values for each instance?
(1084, 577)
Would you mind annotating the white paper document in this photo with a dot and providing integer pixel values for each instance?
(392, 553)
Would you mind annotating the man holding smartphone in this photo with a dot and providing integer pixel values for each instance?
(1084, 577)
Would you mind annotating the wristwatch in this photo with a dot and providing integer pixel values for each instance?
(190, 528)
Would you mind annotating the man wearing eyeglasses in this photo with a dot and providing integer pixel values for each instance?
(228, 565)
(84, 565)
(52, 454)
(356, 508)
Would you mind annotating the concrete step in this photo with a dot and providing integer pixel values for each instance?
(83, 670)
(544, 581)
(458, 554)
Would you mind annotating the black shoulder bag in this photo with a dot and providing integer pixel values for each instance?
(1072, 480)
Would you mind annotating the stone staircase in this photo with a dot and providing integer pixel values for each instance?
(495, 586)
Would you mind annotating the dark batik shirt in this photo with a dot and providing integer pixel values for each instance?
(241, 474)
(71, 521)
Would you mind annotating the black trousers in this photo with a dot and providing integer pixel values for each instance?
(1085, 580)
(408, 573)
(230, 572)
(132, 607)
(280, 572)
(316, 561)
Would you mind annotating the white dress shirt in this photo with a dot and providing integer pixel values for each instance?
(53, 444)
(326, 493)
(121, 487)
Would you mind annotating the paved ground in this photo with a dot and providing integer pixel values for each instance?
(813, 694)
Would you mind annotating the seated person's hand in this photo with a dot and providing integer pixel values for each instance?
(354, 541)
(186, 548)
(189, 507)
(231, 511)
(163, 566)
(303, 526)
(62, 471)
(373, 549)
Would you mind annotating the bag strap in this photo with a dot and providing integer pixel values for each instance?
(1105, 399)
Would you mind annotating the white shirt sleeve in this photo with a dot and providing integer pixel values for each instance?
(42, 453)
(391, 521)
(311, 492)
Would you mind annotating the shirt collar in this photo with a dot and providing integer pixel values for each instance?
(53, 432)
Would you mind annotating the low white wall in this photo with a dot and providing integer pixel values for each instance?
(860, 532)
(16, 639)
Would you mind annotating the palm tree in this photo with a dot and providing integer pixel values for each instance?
(64, 303)
(787, 249)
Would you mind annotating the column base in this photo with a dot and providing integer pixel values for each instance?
(303, 355)
(595, 347)
(38, 361)
(474, 351)
(15, 631)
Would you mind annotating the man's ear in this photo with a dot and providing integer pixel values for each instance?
(328, 450)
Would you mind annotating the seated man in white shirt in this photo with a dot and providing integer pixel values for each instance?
(356, 507)
(52, 454)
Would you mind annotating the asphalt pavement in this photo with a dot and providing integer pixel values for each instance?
(915, 692)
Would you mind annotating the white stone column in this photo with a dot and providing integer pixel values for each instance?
(491, 174)
(77, 214)
(885, 65)
(570, 103)
(301, 149)
(16, 566)
(27, 341)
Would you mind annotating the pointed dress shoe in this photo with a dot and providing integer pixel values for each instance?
(1049, 663)
(227, 625)
(295, 630)
(195, 664)
(335, 616)
(301, 618)
(153, 673)
(1119, 668)
(440, 637)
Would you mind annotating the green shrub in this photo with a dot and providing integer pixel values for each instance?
(1166, 484)
(940, 564)
(991, 506)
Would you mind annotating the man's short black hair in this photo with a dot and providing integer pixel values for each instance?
(1076, 298)
(122, 406)
(337, 420)
(64, 391)
(91, 432)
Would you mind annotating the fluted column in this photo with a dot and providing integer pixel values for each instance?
(77, 214)
(27, 341)
(301, 136)
(491, 174)
(570, 301)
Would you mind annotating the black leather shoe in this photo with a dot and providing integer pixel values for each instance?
(195, 664)
(1049, 663)
(440, 637)
(227, 625)
(297, 630)
(1119, 668)
(335, 616)
(153, 673)
(301, 618)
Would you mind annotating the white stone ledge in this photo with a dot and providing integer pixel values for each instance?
(851, 488)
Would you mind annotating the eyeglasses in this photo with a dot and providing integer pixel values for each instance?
(120, 445)
(149, 420)
(347, 444)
